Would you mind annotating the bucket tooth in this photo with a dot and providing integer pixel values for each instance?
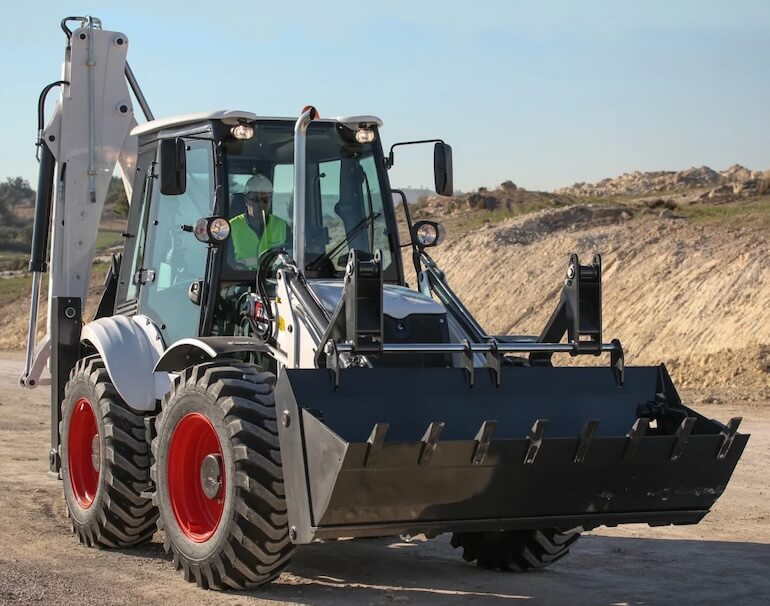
(429, 441)
(586, 435)
(482, 440)
(634, 438)
(535, 438)
(682, 436)
(375, 442)
(728, 436)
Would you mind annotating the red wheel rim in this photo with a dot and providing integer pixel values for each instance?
(193, 440)
(83, 453)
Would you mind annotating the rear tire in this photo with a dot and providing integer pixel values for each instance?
(229, 529)
(515, 550)
(105, 461)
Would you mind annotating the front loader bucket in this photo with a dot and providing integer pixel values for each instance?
(416, 450)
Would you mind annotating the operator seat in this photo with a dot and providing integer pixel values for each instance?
(237, 205)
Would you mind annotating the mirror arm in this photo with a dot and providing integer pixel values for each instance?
(415, 248)
(390, 159)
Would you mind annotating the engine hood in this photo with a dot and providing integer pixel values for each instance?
(398, 301)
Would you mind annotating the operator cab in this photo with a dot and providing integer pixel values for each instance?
(189, 288)
(347, 199)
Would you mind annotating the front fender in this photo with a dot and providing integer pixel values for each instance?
(197, 350)
(130, 348)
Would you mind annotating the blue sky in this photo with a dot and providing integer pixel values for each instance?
(544, 93)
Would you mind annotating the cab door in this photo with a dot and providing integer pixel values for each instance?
(173, 258)
(131, 269)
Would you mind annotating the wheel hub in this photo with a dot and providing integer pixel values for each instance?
(211, 475)
(196, 477)
(83, 453)
(95, 459)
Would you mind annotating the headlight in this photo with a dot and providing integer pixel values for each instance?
(201, 229)
(428, 233)
(211, 229)
(219, 229)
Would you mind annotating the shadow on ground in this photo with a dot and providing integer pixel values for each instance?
(599, 570)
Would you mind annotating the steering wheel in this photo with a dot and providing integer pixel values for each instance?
(263, 327)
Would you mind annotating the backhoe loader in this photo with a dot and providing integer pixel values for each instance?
(246, 403)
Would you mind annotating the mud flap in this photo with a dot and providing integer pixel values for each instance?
(411, 450)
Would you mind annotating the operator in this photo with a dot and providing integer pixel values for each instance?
(258, 229)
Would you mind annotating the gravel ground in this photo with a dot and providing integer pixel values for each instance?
(725, 558)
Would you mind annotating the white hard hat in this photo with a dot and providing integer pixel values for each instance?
(260, 184)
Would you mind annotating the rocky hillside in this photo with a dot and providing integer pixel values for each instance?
(686, 274)
(686, 277)
(735, 180)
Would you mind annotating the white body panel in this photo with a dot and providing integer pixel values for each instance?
(130, 348)
(90, 136)
(397, 301)
(233, 117)
(297, 344)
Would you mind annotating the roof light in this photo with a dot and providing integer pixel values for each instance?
(242, 131)
(365, 135)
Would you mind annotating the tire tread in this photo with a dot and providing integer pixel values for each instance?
(257, 547)
(123, 517)
(515, 550)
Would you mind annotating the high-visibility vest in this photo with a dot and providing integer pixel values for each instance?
(248, 246)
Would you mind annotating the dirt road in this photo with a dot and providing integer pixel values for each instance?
(724, 559)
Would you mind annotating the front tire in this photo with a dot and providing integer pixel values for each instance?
(105, 461)
(218, 476)
(515, 550)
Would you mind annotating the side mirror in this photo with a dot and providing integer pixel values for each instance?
(173, 170)
(442, 169)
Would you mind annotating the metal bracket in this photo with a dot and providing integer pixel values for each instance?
(483, 439)
(144, 276)
(578, 313)
(618, 362)
(333, 361)
(467, 361)
(358, 317)
(535, 438)
(586, 435)
(728, 436)
(429, 441)
(493, 361)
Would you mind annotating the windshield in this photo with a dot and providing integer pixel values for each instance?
(345, 202)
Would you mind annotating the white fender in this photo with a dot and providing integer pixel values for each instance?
(130, 348)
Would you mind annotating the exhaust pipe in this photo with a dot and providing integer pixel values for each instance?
(309, 113)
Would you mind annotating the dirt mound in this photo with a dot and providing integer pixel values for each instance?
(14, 326)
(508, 197)
(694, 296)
(742, 368)
(570, 218)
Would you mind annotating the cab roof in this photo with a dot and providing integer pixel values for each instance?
(234, 117)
